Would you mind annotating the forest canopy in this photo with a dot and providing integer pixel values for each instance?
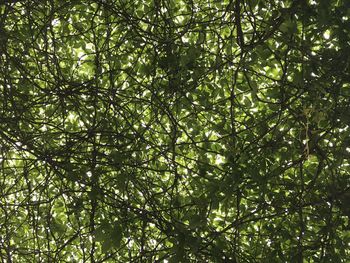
(175, 131)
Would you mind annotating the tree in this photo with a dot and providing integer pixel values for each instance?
(175, 131)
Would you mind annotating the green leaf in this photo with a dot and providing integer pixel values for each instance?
(109, 234)
(116, 235)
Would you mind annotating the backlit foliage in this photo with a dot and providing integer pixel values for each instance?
(175, 131)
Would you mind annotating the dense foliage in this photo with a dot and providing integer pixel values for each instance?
(175, 131)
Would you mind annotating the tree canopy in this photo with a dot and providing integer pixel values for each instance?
(175, 131)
